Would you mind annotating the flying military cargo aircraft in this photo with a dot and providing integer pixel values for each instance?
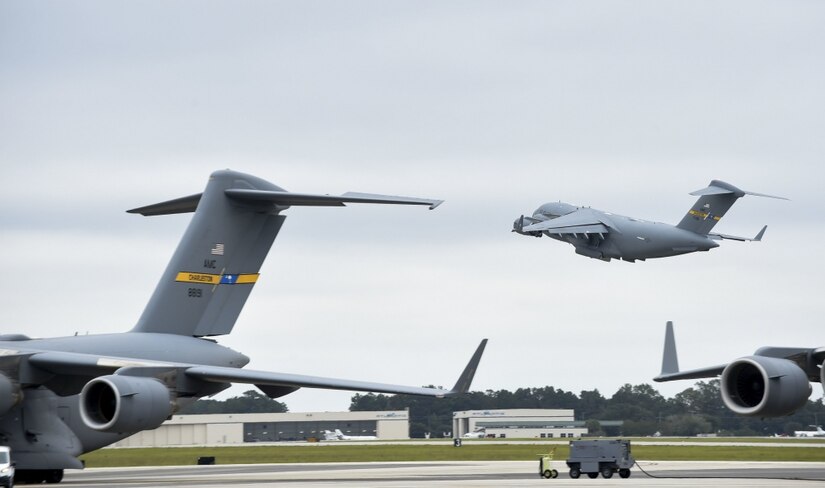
(603, 235)
(773, 382)
(62, 397)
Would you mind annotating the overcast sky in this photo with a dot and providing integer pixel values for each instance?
(495, 107)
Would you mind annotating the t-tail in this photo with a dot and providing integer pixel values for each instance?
(714, 201)
(216, 264)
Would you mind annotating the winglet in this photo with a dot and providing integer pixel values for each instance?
(466, 378)
(670, 363)
(760, 234)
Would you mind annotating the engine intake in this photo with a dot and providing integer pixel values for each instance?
(764, 386)
(10, 394)
(117, 403)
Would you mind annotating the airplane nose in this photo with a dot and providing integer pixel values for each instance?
(518, 224)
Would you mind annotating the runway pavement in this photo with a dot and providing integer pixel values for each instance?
(467, 473)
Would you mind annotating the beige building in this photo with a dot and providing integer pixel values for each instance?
(218, 429)
(519, 423)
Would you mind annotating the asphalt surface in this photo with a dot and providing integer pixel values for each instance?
(475, 473)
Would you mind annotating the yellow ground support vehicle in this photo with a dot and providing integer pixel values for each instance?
(545, 465)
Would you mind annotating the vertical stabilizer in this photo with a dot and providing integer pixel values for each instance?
(714, 201)
(670, 363)
(212, 272)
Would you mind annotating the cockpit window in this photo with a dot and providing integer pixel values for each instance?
(555, 209)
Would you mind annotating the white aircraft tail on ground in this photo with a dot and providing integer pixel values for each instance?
(337, 435)
(810, 433)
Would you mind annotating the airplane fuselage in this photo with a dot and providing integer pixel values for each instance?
(45, 429)
(631, 239)
(603, 235)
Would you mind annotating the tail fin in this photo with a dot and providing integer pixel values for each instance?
(212, 272)
(670, 363)
(714, 201)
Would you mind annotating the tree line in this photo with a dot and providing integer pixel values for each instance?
(643, 410)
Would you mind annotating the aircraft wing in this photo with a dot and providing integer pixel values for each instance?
(693, 374)
(581, 221)
(59, 364)
(291, 382)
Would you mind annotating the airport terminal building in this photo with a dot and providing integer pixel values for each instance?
(523, 423)
(237, 429)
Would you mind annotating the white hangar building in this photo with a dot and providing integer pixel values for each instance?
(519, 423)
(218, 429)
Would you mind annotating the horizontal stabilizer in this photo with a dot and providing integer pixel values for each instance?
(176, 206)
(285, 198)
(718, 187)
(756, 238)
(282, 198)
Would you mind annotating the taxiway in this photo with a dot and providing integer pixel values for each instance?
(474, 473)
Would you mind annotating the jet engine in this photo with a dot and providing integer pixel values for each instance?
(116, 403)
(10, 394)
(764, 386)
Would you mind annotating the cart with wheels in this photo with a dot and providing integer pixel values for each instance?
(546, 469)
(596, 457)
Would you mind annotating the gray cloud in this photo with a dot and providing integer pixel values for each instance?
(495, 107)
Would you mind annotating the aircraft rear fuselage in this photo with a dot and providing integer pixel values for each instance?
(632, 239)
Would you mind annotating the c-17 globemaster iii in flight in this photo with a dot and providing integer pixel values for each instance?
(773, 382)
(62, 397)
(603, 235)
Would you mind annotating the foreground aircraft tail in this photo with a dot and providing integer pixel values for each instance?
(216, 264)
(714, 201)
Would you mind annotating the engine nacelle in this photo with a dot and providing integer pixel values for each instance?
(10, 394)
(117, 403)
(764, 386)
(822, 377)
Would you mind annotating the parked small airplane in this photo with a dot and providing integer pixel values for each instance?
(65, 396)
(478, 434)
(810, 433)
(337, 435)
(603, 235)
(773, 382)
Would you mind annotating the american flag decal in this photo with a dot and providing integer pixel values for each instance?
(217, 250)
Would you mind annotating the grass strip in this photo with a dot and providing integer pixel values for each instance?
(180, 456)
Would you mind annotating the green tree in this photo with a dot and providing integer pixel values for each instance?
(249, 402)
(686, 425)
